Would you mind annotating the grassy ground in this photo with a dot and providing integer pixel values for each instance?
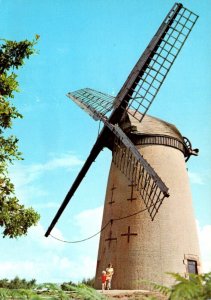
(66, 291)
(196, 287)
(78, 293)
(53, 292)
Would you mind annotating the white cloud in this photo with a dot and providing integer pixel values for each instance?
(45, 259)
(24, 174)
(51, 268)
(36, 235)
(54, 261)
(89, 221)
(205, 246)
(195, 178)
(66, 161)
(10, 269)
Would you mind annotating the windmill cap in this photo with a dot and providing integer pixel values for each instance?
(150, 126)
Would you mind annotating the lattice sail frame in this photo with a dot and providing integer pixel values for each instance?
(96, 104)
(132, 164)
(156, 61)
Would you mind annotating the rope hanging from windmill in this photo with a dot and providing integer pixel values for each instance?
(111, 221)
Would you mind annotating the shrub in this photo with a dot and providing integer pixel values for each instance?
(196, 287)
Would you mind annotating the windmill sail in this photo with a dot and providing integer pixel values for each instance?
(96, 104)
(132, 164)
(90, 159)
(146, 78)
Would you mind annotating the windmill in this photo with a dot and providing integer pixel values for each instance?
(148, 165)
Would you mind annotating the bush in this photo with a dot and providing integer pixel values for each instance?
(87, 293)
(68, 286)
(196, 287)
(83, 291)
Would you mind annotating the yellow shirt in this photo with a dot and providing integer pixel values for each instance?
(109, 272)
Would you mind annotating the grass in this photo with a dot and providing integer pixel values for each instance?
(51, 291)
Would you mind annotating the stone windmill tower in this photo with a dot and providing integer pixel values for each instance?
(148, 166)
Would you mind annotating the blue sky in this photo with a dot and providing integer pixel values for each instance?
(90, 43)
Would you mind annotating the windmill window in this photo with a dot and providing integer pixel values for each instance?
(192, 266)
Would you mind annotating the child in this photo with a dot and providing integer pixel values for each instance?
(103, 279)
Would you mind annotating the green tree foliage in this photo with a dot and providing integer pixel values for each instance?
(89, 281)
(17, 283)
(196, 287)
(14, 217)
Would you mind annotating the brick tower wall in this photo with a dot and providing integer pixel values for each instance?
(141, 249)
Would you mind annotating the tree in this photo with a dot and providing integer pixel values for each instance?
(14, 217)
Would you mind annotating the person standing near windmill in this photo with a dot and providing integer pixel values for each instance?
(109, 274)
(103, 280)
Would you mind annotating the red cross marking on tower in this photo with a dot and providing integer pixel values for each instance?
(132, 189)
(128, 234)
(110, 238)
(112, 195)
